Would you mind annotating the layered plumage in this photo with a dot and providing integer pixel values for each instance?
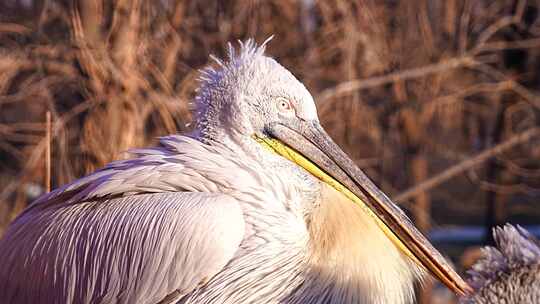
(510, 272)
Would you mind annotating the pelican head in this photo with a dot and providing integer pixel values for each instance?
(249, 94)
(357, 234)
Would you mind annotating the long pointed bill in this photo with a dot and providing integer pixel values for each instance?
(307, 144)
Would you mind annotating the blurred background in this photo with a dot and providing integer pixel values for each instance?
(437, 100)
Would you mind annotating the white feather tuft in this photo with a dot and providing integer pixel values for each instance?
(213, 79)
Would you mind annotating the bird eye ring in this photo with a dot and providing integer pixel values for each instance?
(284, 105)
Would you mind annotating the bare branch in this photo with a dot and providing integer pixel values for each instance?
(360, 84)
(467, 164)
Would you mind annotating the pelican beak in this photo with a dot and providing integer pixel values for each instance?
(308, 145)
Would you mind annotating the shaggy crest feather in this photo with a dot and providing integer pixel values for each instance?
(211, 78)
(509, 272)
(516, 248)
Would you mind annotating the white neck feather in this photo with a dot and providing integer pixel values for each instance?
(352, 260)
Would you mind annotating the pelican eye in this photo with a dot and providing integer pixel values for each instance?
(284, 105)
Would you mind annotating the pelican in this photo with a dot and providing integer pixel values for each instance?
(508, 273)
(256, 205)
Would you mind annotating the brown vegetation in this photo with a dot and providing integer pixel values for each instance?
(420, 93)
